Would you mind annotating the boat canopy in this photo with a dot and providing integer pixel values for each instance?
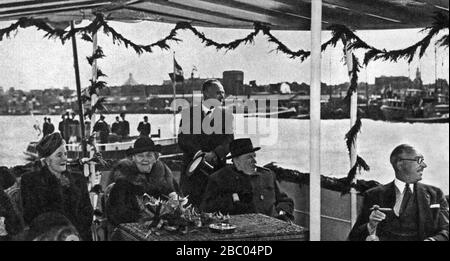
(277, 14)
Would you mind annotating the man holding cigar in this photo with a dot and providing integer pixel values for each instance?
(405, 209)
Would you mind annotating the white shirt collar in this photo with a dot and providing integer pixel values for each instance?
(206, 109)
(401, 185)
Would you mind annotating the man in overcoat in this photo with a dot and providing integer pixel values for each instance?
(244, 187)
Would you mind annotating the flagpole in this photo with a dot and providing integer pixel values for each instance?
(174, 82)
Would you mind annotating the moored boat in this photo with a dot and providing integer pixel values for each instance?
(113, 150)
(393, 109)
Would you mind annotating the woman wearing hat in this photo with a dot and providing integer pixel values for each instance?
(142, 172)
(52, 188)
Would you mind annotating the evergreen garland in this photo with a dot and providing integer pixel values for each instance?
(339, 32)
(353, 79)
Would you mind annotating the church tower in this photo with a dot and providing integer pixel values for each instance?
(418, 80)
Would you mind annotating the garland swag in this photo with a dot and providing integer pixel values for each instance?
(339, 32)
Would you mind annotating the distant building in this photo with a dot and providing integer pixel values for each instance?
(130, 81)
(391, 86)
(418, 84)
(233, 83)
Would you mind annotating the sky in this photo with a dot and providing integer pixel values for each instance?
(27, 61)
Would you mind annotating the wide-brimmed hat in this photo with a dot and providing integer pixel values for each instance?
(143, 144)
(240, 147)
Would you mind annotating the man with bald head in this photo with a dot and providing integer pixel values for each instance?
(405, 209)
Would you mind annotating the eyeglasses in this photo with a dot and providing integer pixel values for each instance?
(419, 160)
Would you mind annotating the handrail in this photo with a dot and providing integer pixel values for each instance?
(121, 145)
(325, 216)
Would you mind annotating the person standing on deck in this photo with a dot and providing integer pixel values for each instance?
(50, 126)
(124, 126)
(405, 209)
(75, 130)
(115, 126)
(144, 127)
(199, 133)
(103, 128)
(45, 127)
(63, 127)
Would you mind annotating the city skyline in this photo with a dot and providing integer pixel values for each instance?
(31, 62)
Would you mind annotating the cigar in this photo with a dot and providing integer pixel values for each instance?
(382, 209)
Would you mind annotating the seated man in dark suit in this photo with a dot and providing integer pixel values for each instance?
(405, 209)
(245, 188)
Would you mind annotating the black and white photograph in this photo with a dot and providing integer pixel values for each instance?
(224, 120)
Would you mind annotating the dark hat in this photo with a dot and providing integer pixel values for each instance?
(240, 147)
(49, 144)
(143, 144)
(7, 179)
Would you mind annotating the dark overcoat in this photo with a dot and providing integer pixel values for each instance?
(43, 192)
(144, 128)
(258, 193)
(122, 204)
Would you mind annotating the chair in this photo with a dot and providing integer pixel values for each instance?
(101, 227)
(15, 197)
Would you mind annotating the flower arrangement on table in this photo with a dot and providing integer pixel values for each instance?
(175, 215)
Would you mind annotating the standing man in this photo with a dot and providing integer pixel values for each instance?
(50, 126)
(144, 127)
(115, 126)
(63, 126)
(405, 209)
(199, 133)
(246, 188)
(75, 130)
(102, 127)
(124, 126)
(45, 127)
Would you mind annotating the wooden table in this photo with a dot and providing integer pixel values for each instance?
(249, 227)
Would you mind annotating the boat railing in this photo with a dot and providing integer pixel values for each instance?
(120, 145)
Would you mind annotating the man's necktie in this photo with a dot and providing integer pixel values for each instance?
(407, 193)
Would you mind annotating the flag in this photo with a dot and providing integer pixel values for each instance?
(178, 71)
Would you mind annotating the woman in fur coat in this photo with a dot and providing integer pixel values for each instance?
(141, 173)
(53, 188)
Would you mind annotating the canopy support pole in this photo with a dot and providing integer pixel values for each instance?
(94, 98)
(77, 79)
(353, 149)
(314, 144)
(174, 86)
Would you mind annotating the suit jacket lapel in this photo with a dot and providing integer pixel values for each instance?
(422, 208)
(389, 196)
